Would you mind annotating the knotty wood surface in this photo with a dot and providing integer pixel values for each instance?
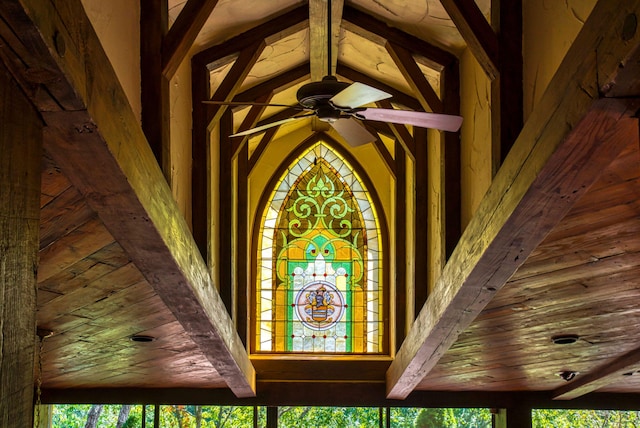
(94, 299)
(582, 279)
(20, 152)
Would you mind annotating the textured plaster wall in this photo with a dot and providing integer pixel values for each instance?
(117, 24)
(180, 142)
(475, 107)
(549, 29)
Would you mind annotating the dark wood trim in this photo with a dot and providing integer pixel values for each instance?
(250, 121)
(183, 33)
(452, 161)
(290, 21)
(337, 394)
(398, 96)
(420, 221)
(242, 256)
(477, 32)
(382, 150)
(415, 78)
(402, 321)
(128, 191)
(282, 114)
(262, 145)
(155, 86)
(20, 173)
(402, 134)
(361, 21)
(225, 212)
(200, 187)
(507, 99)
(233, 81)
(513, 417)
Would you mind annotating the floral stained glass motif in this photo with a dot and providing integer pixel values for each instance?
(320, 266)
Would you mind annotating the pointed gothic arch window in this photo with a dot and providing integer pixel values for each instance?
(319, 257)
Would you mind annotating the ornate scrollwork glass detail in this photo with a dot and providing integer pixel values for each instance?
(318, 287)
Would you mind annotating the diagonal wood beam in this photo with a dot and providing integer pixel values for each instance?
(288, 23)
(615, 371)
(401, 133)
(127, 190)
(413, 75)
(477, 32)
(250, 120)
(567, 142)
(262, 145)
(183, 33)
(233, 80)
(320, 39)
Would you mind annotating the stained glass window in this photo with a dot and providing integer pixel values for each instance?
(319, 263)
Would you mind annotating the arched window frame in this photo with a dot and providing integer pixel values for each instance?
(381, 227)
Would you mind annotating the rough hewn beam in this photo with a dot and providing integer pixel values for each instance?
(403, 59)
(319, 38)
(569, 139)
(127, 190)
(476, 31)
(183, 33)
(20, 157)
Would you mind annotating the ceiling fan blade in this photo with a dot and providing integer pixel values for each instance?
(249, 104)
(353, 132)
(357, 94)
(269, 125)
(443, 122)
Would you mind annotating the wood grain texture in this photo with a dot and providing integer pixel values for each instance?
(20, 157)
(320, 39)
(531, 193)
(128, 191)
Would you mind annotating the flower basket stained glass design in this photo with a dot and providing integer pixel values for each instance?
(320, 268)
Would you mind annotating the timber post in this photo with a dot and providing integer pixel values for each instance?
(20, 158)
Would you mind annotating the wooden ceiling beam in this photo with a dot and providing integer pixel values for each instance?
(283, 114)
(571, 136)
(403, 59)
(250, 121)
(476, 31)
(401, 133)
(183, 33)
(625, 365)
(262, 145)
(233, 80)
(366, 25)
(320, 40)
(122, 182)
(288, 23)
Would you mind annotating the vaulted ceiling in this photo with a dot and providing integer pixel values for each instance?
(552, 249)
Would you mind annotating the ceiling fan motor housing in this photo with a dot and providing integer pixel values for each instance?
(316, 96)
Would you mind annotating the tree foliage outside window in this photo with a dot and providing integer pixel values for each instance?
(190, 416)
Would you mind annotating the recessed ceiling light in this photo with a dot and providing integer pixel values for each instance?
(565, 339)
(142, 338)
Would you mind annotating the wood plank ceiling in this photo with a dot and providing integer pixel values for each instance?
(571, 267)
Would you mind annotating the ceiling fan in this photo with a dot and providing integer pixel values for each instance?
(340, 104)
